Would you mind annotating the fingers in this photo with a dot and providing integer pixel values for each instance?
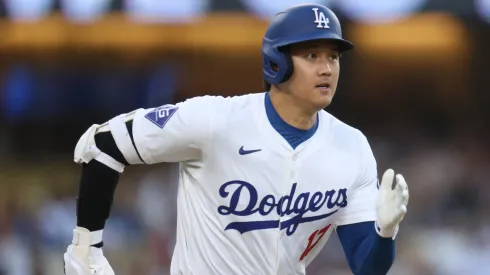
(403, 209)
(400, 180)
(402, 189)
(387, 180)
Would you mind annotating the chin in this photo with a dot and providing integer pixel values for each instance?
(322, 102)
(318, 106)
(323, 106)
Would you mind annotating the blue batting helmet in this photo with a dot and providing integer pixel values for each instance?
(297, 24)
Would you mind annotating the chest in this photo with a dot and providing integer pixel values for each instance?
(259, 177)
(274, 167)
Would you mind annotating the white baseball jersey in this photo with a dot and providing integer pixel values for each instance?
(248, 203)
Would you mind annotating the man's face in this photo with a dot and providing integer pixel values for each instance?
(316, 73)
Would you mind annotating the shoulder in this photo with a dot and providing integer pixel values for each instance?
(352, 142)
(220, 104)
(343, 136)
(218, 112)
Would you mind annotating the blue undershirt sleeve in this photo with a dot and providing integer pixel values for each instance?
(367, 253)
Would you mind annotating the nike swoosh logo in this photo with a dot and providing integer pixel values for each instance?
(246, 152)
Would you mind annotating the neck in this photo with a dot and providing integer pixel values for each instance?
(291, 111)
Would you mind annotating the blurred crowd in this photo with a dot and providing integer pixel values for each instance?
(446, 230)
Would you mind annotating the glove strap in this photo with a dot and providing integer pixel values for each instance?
(81, 236)
(386, 233)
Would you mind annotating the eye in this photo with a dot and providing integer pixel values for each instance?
(334, 57)
(311, 56)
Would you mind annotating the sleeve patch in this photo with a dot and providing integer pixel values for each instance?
(161, 115)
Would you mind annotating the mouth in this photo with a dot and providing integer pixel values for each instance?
(324, 87)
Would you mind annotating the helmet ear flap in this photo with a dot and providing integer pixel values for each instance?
(277, 65)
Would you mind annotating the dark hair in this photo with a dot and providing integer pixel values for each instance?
(267, 86)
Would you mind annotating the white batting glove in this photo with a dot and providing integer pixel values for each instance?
(391, 204)
(83, 259)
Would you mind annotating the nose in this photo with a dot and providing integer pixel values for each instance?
(324, 69)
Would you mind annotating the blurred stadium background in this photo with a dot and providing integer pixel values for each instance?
(417, 85)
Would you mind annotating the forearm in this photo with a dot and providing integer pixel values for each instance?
(367, 252)
(98, 184)
(375, 255)
(95, 195)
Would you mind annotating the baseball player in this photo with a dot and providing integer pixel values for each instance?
(265, 178)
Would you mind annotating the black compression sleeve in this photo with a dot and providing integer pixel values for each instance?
(98, 184)
(95, 195)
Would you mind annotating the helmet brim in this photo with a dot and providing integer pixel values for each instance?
(343, 45)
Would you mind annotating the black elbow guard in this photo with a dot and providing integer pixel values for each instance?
(105, 142)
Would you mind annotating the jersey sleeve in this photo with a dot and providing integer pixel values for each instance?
(174, 133)
(361, 203)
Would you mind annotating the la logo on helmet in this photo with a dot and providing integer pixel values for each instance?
(321, 20)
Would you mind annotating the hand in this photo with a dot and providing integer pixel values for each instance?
(391, 204)
(83, 259)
